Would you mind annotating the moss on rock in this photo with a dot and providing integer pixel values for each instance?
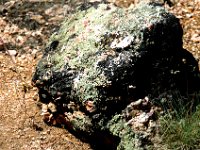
(105, 57)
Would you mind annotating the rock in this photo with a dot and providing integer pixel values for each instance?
(98, 68)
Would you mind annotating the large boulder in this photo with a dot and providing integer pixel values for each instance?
(96, 71)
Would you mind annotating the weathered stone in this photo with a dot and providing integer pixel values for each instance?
(105, 58)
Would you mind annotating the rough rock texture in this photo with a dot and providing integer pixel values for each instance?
(97, 70)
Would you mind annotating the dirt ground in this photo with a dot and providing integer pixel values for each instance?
(25, 26)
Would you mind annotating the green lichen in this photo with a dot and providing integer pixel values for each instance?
(82, 124)
(89, 32)
(118, 127)
(105, 34)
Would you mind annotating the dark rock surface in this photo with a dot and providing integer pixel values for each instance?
(97, 70)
